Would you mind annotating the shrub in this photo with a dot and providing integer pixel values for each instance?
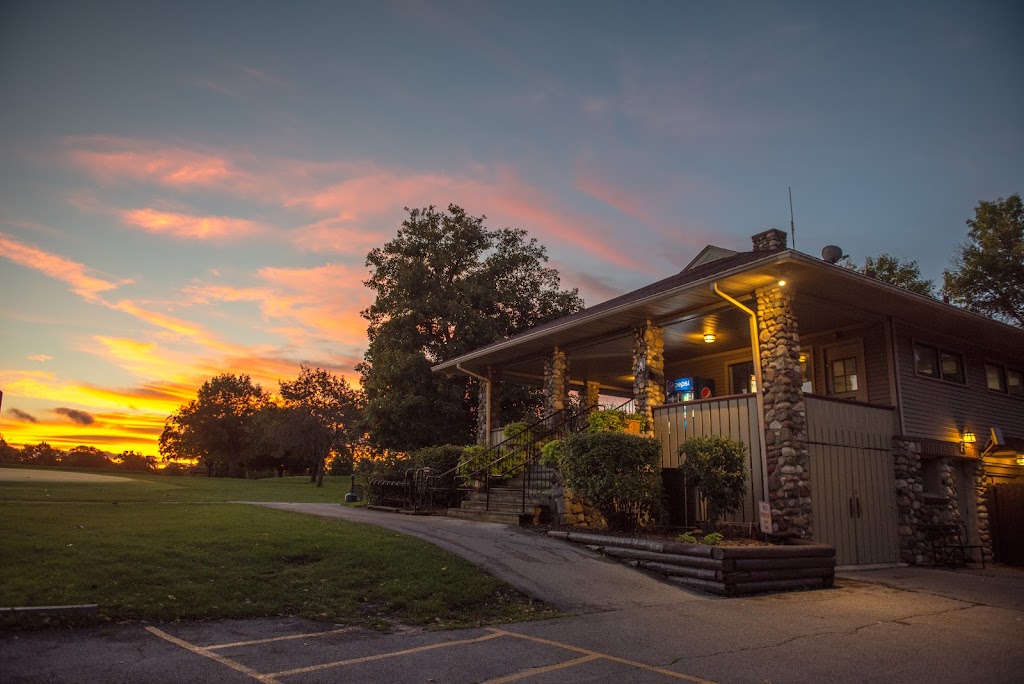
(686, 538)
(609, 420)
(440, 459)
(473, 458)
(618, 474)
(713, 539)
(716, 466)
(551, 453)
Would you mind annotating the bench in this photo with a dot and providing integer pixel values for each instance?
(947, 541)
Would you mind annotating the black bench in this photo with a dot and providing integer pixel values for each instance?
(947, 541)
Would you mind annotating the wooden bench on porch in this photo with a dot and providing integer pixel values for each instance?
(947, 542)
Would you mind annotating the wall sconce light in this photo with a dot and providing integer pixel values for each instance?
(709, 337)
(1020, 459)
(966, 437)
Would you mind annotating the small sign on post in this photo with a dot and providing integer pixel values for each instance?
(765, 510)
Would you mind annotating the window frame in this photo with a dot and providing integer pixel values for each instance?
(1020, 374)
(1001, 372)
(936, 353)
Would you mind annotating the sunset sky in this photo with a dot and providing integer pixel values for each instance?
(191, 188)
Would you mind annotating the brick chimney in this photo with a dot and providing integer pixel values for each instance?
(771, 240)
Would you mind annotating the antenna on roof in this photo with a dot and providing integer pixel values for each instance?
(792, 224)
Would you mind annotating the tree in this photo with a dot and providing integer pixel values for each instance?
(988, 271)
(716, 466)
(85, 457)
(215, 427)
(895, 271)
(41, 454)
(133, 460)
(323, 412)
(444, 286)
(8, 453)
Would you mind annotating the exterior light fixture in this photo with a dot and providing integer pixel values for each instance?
(1020, 459)
(966, 437)
(782, 283)
(709, 337)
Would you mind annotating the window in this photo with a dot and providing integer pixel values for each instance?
(1015, 383)
(742, 379)
(995, 377)
(844, 375)
(933, 362)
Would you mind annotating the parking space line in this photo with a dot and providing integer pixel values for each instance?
(207, 653)
(542, 670)
(282, 638)
(382, 656)
(605, 656)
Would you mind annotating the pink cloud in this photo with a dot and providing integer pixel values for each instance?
(73, 273)
(187, 226)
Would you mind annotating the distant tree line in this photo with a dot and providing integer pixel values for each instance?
(43, 454)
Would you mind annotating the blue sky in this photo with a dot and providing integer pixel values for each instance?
(191, 188)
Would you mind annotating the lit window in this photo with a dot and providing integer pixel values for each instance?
(742, 379)
(926, 360)
(937, 363)
(844, 375)
(995, 377)
(952, 367)
(1015, 383)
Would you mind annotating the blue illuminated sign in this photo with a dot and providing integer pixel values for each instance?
(682, 385)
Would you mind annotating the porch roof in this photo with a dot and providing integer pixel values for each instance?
(598, 340)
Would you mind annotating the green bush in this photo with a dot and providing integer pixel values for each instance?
(618, 473)
(440, 459)
(609, 420)
(551, 453)
(713, 539)
(686, 538)
(716, 466)
(473, 458)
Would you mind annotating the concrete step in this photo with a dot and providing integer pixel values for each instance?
(486, 516)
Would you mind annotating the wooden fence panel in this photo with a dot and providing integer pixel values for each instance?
(1006, 521)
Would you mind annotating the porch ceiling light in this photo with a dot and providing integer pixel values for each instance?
(782, 283)
(709, 337)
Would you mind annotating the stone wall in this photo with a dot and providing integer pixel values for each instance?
(770, 240)
(917, 509)
(591, 394)
(909, 490)
(648, 369)
(785, 417)
(556, 381)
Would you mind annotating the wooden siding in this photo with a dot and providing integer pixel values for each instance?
(734, 417)
(852, 479)
(939, 409)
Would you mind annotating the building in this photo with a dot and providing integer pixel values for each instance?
(881, 412)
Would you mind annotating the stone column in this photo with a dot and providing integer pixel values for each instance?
(488, 404)
(981, 500)
(556, 381)
(785, 419)
(909, 487)
(648, 369)
(591, 394)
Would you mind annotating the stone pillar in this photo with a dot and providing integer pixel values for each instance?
(556, 381)
(648, 369)
(785, 419)
(591, 394)
(488, 404)
(981, 500)
(771, 240)
(909, 488)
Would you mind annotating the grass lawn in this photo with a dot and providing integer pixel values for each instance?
(172, 549)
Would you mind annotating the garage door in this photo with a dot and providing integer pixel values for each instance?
(853, 484)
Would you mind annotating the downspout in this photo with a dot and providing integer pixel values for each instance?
(759, 396)
(487, 400)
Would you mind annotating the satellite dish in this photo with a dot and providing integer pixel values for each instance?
(832, 254)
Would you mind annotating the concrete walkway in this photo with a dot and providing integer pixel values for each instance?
(567, 576)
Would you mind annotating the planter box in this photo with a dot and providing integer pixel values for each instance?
(724, 570)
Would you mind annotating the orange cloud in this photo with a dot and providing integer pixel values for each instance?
(71, 272)
(188, 226)
(114, 159)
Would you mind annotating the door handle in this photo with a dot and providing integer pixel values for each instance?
(858, 506)
(851, 507)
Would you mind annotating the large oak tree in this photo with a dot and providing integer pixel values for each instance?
(445, 285)
(988, 270)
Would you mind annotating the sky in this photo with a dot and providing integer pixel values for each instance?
(191, 188)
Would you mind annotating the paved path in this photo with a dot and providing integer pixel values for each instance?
(570, 577)
(904, 624)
